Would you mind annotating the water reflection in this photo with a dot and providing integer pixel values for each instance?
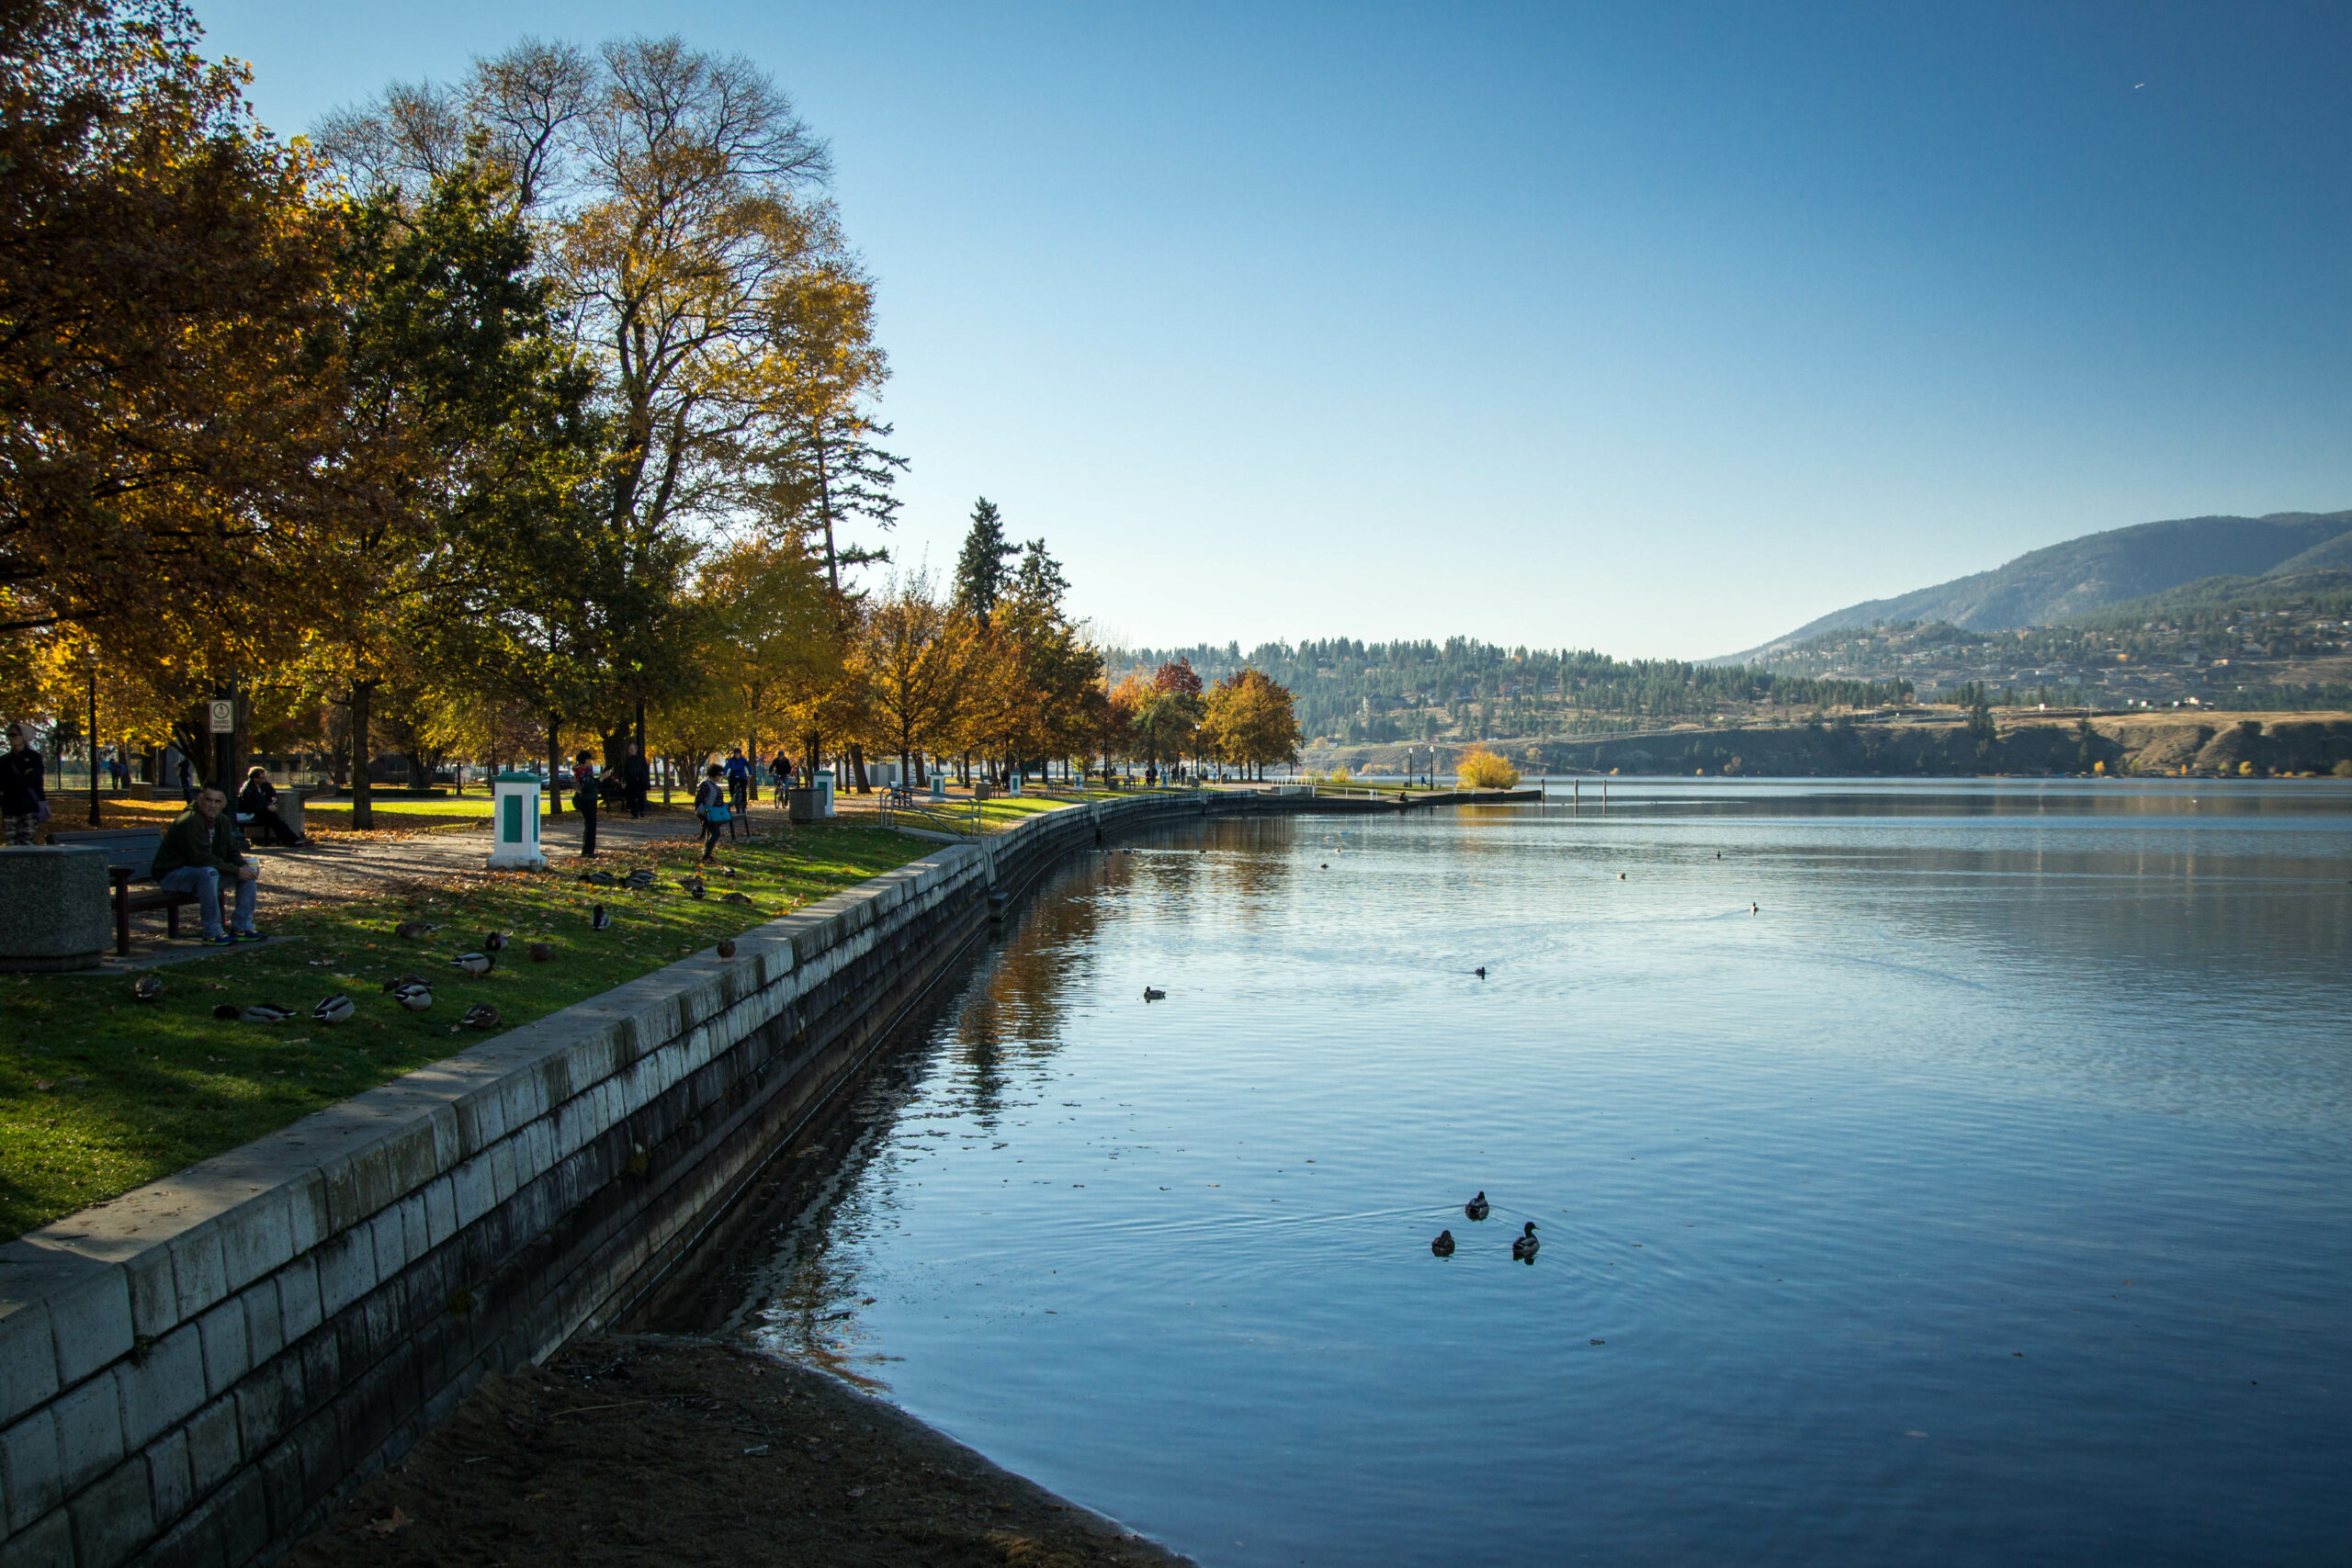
(1979, 1197)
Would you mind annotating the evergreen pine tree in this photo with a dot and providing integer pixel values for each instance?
(979, 570)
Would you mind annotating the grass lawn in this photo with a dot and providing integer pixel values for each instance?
(100, 1094)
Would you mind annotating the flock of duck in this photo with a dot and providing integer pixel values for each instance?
(1523, 1246)
(414, 992)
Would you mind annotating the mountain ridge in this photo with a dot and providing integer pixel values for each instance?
(2092, 571)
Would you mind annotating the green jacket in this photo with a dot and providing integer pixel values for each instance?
(187, 842)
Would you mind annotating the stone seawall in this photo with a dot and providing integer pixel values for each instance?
(193, 1372)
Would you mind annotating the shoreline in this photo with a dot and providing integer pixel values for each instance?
(630, 1449)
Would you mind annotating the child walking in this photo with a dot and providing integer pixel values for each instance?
(711, 805)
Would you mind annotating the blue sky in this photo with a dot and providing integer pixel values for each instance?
(1659, 329)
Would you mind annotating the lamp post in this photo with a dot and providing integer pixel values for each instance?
(89, 662)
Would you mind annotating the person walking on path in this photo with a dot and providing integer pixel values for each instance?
(187, 781)
(259, 800)
(636, 778)
(738, 787)
(198, 850)
(23, 801)
(584, 799)
(711, 805)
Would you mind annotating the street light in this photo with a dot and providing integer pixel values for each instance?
(90, 667)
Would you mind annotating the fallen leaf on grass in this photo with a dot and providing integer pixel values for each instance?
(399, 1520)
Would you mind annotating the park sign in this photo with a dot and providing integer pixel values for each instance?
(515, 823)
(224, 715)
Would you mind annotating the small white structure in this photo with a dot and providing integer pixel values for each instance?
(515, 823)
(938, 784)
(821, 781)
(1013, 782)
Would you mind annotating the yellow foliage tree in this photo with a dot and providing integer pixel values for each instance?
(1481, 769)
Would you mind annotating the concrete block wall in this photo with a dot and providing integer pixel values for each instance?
(194, 1372)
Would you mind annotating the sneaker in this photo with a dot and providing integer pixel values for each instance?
(252, 936)
(224, 939)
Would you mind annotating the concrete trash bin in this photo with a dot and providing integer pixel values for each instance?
(800, 806)
(55, 909)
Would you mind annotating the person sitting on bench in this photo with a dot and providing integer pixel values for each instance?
(258, 801)
(198, 850)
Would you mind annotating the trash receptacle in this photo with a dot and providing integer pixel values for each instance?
(800, 806)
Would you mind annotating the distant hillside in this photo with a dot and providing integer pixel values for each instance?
(2098, 570)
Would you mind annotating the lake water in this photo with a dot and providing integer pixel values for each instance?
(1986, 1196)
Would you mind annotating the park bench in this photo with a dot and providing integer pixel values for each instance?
(130, 857)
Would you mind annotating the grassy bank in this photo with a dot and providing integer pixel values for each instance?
(100, 1093)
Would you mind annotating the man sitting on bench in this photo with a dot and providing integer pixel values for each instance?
(198, 850)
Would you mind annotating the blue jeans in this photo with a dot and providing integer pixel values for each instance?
(205, 883)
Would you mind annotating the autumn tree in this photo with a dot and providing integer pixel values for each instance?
(916, 656)
(162, 262)
(1250, 720)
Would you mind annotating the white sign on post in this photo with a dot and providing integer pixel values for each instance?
(224, 715)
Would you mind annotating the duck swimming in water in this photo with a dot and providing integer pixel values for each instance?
(1523, 1244)
(1443, 1246)
(1152, 995)
(1478, 1208)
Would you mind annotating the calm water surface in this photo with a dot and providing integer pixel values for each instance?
(1983, 1198)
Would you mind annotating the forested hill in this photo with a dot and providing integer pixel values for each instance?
(2081, 575)
(1353, 691)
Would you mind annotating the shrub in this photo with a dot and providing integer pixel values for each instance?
(1481, 769)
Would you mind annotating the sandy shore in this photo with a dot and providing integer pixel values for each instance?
(642, 1450)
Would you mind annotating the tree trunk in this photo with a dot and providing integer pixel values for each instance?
(363, 801)
(857, 768)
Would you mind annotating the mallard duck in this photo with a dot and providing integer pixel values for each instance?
(1621, 876)
(1443, 1246)
(414, 930)
(737, 898)
(1478, 1208)
(1480, 971)
(260, 1012)
(695, 887)
(1152, 995)
(416, 996)
(1523, 1244)
(726, 947)
(397, 981)
(474, 963)
(147, 988)
(725, 871)
(641, 878)
(481, 1015)
(598, 921)
(336, 1009)
(600, 878)
(494, 942)
(540, 952)
(1754, 911)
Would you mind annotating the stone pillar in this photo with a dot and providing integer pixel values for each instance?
(54, 908)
